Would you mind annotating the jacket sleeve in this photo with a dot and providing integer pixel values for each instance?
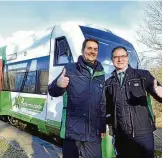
(149, 85)
(54, 90)
(103, 112)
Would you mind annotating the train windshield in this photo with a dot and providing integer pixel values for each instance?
(107, 42)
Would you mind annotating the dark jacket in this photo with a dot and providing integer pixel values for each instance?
(127, 104)
(84, 108)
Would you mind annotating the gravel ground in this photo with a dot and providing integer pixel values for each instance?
(158, 139)
(11, 149)
(8, 150)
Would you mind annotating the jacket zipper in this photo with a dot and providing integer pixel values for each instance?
(115, 117)
(92, 75)
(123, 108)
(133, 132)
(89, 106)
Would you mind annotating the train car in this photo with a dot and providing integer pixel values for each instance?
(27, 68)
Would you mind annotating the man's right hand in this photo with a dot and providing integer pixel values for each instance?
(63, 81)
(158, 89)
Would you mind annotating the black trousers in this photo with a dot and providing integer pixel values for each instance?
(76, 149)
(137, 147)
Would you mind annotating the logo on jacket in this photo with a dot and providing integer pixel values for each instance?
(136, 84)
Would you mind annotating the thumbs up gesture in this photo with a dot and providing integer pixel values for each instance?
(63, 81)
(158, 89)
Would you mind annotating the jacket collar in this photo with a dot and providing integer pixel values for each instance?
(127, 72)
(114, 73)
(82, 65)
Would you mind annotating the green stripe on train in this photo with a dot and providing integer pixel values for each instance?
(43, 125)
(5, 101)
(32, 104)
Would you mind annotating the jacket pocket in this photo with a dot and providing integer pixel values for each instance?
(136, 87)
(142, 121)
(98, 86)
(76, 122)
(78, 85)
(136, 93)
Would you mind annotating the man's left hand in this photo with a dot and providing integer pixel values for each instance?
(103, 135)
(158, 89)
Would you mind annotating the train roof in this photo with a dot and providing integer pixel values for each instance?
(41, 38)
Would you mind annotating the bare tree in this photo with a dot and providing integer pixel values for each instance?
(148, 62)
(150, 32)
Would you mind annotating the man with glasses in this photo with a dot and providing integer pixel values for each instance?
(128, 107)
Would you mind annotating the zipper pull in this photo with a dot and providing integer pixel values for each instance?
(133, 134)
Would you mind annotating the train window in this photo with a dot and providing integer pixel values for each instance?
(5, 85)
(30, 84)
(62, 52)
(43, 81)
(29, 77)
(43, 74)
(22, 76)
(16, 79)
(16, 73)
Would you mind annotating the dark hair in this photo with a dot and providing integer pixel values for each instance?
(87, 40)
(119, 47)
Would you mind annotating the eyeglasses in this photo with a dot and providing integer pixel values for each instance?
(122, 57)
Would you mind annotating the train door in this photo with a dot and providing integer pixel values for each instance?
(58, 59)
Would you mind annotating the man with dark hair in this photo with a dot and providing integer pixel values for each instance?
(128, 107)
(84, 111)
(85, 42)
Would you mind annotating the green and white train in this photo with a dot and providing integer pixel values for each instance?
(27, 69)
